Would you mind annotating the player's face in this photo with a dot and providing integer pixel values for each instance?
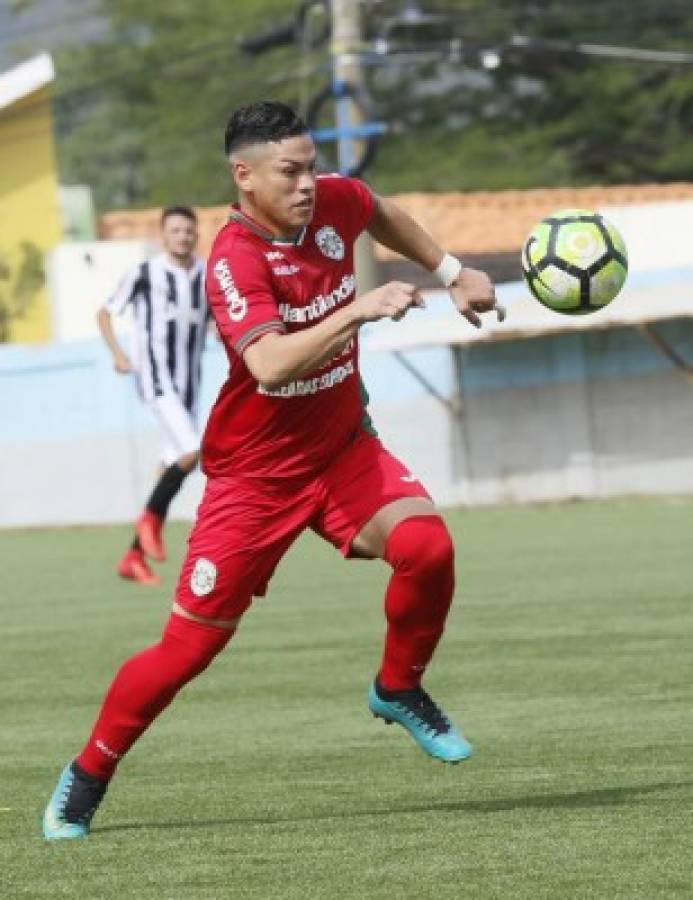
(179, 236)
(278, 183)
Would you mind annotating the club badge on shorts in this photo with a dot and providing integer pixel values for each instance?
(329, 242)
(203, 578)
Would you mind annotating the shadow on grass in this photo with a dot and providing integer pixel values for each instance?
(614, 796)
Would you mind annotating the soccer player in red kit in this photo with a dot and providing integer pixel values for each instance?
(285, 448)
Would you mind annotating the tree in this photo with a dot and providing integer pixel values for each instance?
(546, 118)
(18, 288)
(141, 113)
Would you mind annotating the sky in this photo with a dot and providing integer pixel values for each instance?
(29, 26)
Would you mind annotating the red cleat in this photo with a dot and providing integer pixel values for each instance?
(148, 529)
(133, 566)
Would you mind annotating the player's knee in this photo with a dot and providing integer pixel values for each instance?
(421, 546)
(191, 646)
(188, 461)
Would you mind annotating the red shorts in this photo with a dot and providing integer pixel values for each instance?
(245, 525)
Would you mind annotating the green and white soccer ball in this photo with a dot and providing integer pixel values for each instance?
(575, 262)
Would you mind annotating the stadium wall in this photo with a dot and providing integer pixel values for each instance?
(591, 414)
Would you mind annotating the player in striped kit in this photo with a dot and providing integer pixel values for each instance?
(170, 318)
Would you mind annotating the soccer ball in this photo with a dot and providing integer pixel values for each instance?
(574, 261)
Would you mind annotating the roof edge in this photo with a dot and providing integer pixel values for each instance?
(25, 79)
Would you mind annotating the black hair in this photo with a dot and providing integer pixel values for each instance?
(260, 123)
(184, 211)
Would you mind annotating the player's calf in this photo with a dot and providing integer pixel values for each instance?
(417, 599)
(143, 687)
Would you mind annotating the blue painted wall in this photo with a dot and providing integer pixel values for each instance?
(65, 391)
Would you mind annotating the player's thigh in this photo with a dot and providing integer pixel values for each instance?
(240, 534)
(179, 432)
(367, 491)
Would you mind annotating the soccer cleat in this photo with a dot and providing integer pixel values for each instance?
(73, 804)
(425, 722)
(134, 567)
(148, 529)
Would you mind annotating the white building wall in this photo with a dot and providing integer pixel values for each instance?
(81, 276)
(658, 235)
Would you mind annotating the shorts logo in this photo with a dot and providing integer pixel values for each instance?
(237, 306)
(203, 578)
(329, 243)
(410, 479)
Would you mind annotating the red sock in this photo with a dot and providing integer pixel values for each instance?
(417, 599)
(144, 686)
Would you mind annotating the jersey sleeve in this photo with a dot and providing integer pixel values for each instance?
(125, 293)
(240, 295)
(354, 199)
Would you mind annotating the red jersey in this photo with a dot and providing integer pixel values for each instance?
(257, 285)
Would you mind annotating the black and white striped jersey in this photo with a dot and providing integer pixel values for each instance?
(170, 316)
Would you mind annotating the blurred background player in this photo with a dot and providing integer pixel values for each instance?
(285, 447)
(170, 317)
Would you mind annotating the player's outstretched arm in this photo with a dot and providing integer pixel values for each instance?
(121, 362)
(276, 359)
(470, 289)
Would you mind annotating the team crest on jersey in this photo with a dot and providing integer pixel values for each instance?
(203, 578)
(329, 242)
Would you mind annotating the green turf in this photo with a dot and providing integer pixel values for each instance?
(568, 662)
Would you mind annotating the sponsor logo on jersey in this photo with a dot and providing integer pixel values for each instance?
(285, 270)
(237, 306)
(321, 305)
(274, 255)
(329, 242)
(203, 578)
(308, 386)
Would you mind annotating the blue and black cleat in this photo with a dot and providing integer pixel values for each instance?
(73, 804)
(426, 723)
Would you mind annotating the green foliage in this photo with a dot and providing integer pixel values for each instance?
(142, 112)
(545, 120)
(18, 288)
(19, 6)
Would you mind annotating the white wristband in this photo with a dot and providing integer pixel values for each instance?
(448, 271)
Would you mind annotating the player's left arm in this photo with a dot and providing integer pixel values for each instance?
(471, 290)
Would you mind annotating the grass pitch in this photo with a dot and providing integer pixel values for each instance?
(567, 660)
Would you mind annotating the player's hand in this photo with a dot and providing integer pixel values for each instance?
(473, 293)
(122, 364)
(391, 301)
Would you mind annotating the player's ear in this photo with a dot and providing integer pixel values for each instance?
(241, 171)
